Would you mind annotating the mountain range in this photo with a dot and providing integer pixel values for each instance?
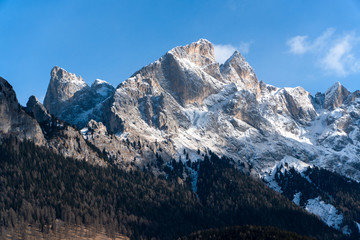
(185, 106)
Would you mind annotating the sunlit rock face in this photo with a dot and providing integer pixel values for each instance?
(62, 88)
(335, 96)
(70, 98)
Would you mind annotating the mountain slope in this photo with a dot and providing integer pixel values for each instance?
(34, 123)
(39, 187)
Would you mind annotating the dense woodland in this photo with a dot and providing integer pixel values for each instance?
(245, 233)
(37, 187)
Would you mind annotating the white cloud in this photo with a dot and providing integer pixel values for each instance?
(224, 51)
(339, 56)
(335, 54)
(298, 45)
(321, 42)
(301, 45)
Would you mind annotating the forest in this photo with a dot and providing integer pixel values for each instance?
(245, 232)
(38, 187)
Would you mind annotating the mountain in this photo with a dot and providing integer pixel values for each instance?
(72, 100)
(187, 101)
(14, 120)
(34, 123)
(171, 115)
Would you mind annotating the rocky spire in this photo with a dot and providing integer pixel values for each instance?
(14, 120)
(200, 53)
(236, 69)
(34, 107)
(62, 87)
(335, 96)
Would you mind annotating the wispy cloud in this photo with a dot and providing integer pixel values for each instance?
(224, 51)
(339, 57)
(334, 53)
(298, 45)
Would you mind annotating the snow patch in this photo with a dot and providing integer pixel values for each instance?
(327, 212)
(297, 197)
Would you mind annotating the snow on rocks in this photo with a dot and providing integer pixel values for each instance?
(327, 212)
(297, 197)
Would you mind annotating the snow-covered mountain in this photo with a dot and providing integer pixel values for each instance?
(186, 105)
(186, 100)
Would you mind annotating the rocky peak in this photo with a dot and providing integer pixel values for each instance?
(335, 96)
(299, 104)
(62, 87)
(13, 119)
(236, 69)
(201, 53)
(34, 107)
(7, 94)
(99, 82)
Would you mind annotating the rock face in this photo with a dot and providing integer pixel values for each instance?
(14, 120)
(72, 100)
(40, 113)
(61, 137)
(335, 96)
(62, 88)
(187, 101)
(237, 70)
(34, 123)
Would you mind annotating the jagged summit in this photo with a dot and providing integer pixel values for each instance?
(61, 75)
(62, 87)
(70, 98)
(200, 53)
(99, 82)
(236, 56)
(34, 107)
(7, 96)
(236, 69)
(335, 96)
(13, 119)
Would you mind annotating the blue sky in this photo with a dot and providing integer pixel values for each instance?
(289, 43)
